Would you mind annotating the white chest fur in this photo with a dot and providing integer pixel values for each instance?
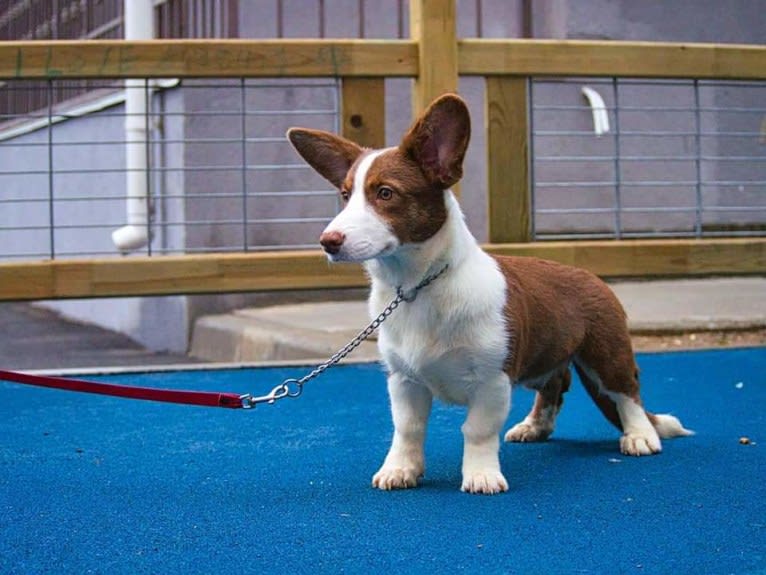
(453, 336)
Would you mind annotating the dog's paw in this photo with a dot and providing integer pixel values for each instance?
(639, 443)
(525, 432)
(388, 478)
(484, 482)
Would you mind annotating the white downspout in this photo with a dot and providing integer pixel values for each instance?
(139, 25)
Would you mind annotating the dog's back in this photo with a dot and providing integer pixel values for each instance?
(550, 309)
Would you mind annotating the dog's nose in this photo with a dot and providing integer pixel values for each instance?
(332, 241)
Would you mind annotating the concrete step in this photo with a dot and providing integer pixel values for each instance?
(314, 331)
(306, 331)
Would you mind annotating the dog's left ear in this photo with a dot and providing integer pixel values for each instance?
(330, 155)
(439, 138)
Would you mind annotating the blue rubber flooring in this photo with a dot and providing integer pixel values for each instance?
(90, 484)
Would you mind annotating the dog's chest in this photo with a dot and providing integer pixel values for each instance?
(448, 346)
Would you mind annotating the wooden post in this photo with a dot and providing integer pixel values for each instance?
(507, 129)
(363, 111)
(433, 26)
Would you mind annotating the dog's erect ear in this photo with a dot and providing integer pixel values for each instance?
(439, 138)
(330, 155)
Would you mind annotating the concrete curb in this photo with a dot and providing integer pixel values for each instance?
(674, 306)
(280, 333)
(307, 331)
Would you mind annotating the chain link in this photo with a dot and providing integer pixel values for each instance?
(294, 387)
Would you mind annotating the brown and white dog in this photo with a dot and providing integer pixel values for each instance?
(486, 323)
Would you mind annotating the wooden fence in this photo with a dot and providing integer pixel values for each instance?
(434, 57)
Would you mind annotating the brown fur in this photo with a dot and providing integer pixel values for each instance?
(555, 312)
(330, 155)
(438, 140)
(398, 169)
(412, 221)
(428, 161)
(551, 394)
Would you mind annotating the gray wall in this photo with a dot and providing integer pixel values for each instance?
(720, 21)
(273, 170)
(73, 141)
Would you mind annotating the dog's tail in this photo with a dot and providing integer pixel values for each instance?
(668, 426)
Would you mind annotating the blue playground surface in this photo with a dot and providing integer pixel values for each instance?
(92, 484)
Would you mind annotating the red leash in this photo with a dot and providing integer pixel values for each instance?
(204, 398)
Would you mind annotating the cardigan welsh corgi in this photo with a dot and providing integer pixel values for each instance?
(486, 323)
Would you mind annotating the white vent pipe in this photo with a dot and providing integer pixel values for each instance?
(139, 25)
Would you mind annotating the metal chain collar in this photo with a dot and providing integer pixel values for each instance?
(294, 387)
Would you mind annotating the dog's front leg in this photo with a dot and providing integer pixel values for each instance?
(410, 408)
(487, 412)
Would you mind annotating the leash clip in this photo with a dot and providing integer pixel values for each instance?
(288, 388)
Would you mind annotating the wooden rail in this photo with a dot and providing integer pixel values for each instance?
(165, 275)
(434, 57)
(207, 58)
(480, 57)
(331, 58)
(212, 273)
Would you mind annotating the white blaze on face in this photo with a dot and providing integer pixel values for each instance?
(367, 235)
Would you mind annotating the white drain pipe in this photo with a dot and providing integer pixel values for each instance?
(139, 25)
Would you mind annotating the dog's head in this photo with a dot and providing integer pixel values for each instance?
(394, 196)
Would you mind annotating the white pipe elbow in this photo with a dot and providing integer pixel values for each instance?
(130, 238)
(598, 107)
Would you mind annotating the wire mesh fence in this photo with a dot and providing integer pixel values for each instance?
(219, 174)
(678, 159)
(98, 19)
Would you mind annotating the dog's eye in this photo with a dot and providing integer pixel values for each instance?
(385, 193)
(344, 195)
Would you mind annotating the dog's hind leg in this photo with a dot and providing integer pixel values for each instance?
(539, 423)
(608, 371)
(610, 375)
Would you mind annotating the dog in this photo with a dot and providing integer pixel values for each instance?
(486, 323)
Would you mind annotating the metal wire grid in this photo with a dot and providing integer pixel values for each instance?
(221, 174)
(101, 19)
(681, 159)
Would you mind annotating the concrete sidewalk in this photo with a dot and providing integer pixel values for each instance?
(38, 339)
(312, 331)
(34, 338)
